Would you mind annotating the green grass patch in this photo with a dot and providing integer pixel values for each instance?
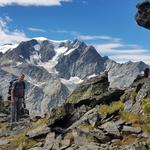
(145, 119)
(108, 109)
(127, 140)
(123, 97)
(40, 122)
(146, 106)
(69, 136)
(137, 120)
(86, 126)
(22, 139)
(133, 94)
(146, 128)
(87, 91)
(74, 97)
(3, 126)
(130, 117)
(29, 143)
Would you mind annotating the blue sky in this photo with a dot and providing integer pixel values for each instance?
(109, 26)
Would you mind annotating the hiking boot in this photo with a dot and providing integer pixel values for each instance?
(11, 125)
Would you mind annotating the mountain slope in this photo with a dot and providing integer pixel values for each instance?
(123, 75)
(112, 119)
(43, 91)
(54, 68)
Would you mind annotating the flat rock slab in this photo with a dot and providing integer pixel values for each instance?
(131, 129)
(119, 122)
(37, 148)
(51, 141)
(111, 128)
(70, 148)
(3, 142)
(39, 131)
(90, 146)
(100, 135)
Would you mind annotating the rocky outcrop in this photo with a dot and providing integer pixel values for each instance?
(1, 54)
(101, 121)
(94, 86)
(143, 15)
(124, 73)
(38, 132)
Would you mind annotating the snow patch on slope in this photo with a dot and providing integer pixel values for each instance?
(37, 47)
(50, 65)
(39, 39)
(71, 50)
(91, 76)
(34, 59)
(18, 63)
(60, 51)
(5, 48)
(34, 81)
(56, 43)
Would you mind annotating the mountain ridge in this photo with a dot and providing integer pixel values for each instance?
(66, 63)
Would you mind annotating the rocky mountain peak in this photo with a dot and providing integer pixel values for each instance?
(60, 65)
(76, 43)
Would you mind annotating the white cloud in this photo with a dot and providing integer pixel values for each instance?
(107, 46)
(60, 31)
(7, 36)
(97, 37)
(32, 2)
(82, 37)
(124, 52)
(36, 30)
(133, 57)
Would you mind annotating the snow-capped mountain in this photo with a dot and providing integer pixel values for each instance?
(6, 47)
(54, 68)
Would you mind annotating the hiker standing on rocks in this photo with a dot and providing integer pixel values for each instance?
(17, 98)
(146, 72)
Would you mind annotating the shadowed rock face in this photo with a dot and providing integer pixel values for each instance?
(143, 15)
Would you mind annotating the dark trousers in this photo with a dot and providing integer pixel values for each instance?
(16, 109)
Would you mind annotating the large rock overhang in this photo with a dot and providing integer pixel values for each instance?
(143, 15)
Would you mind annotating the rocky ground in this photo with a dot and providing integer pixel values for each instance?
(94, 117)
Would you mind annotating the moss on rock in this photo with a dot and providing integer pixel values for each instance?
(146, 106)
(92, 87)
(109, 109)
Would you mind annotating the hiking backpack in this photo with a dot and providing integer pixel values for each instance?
(10, 88)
